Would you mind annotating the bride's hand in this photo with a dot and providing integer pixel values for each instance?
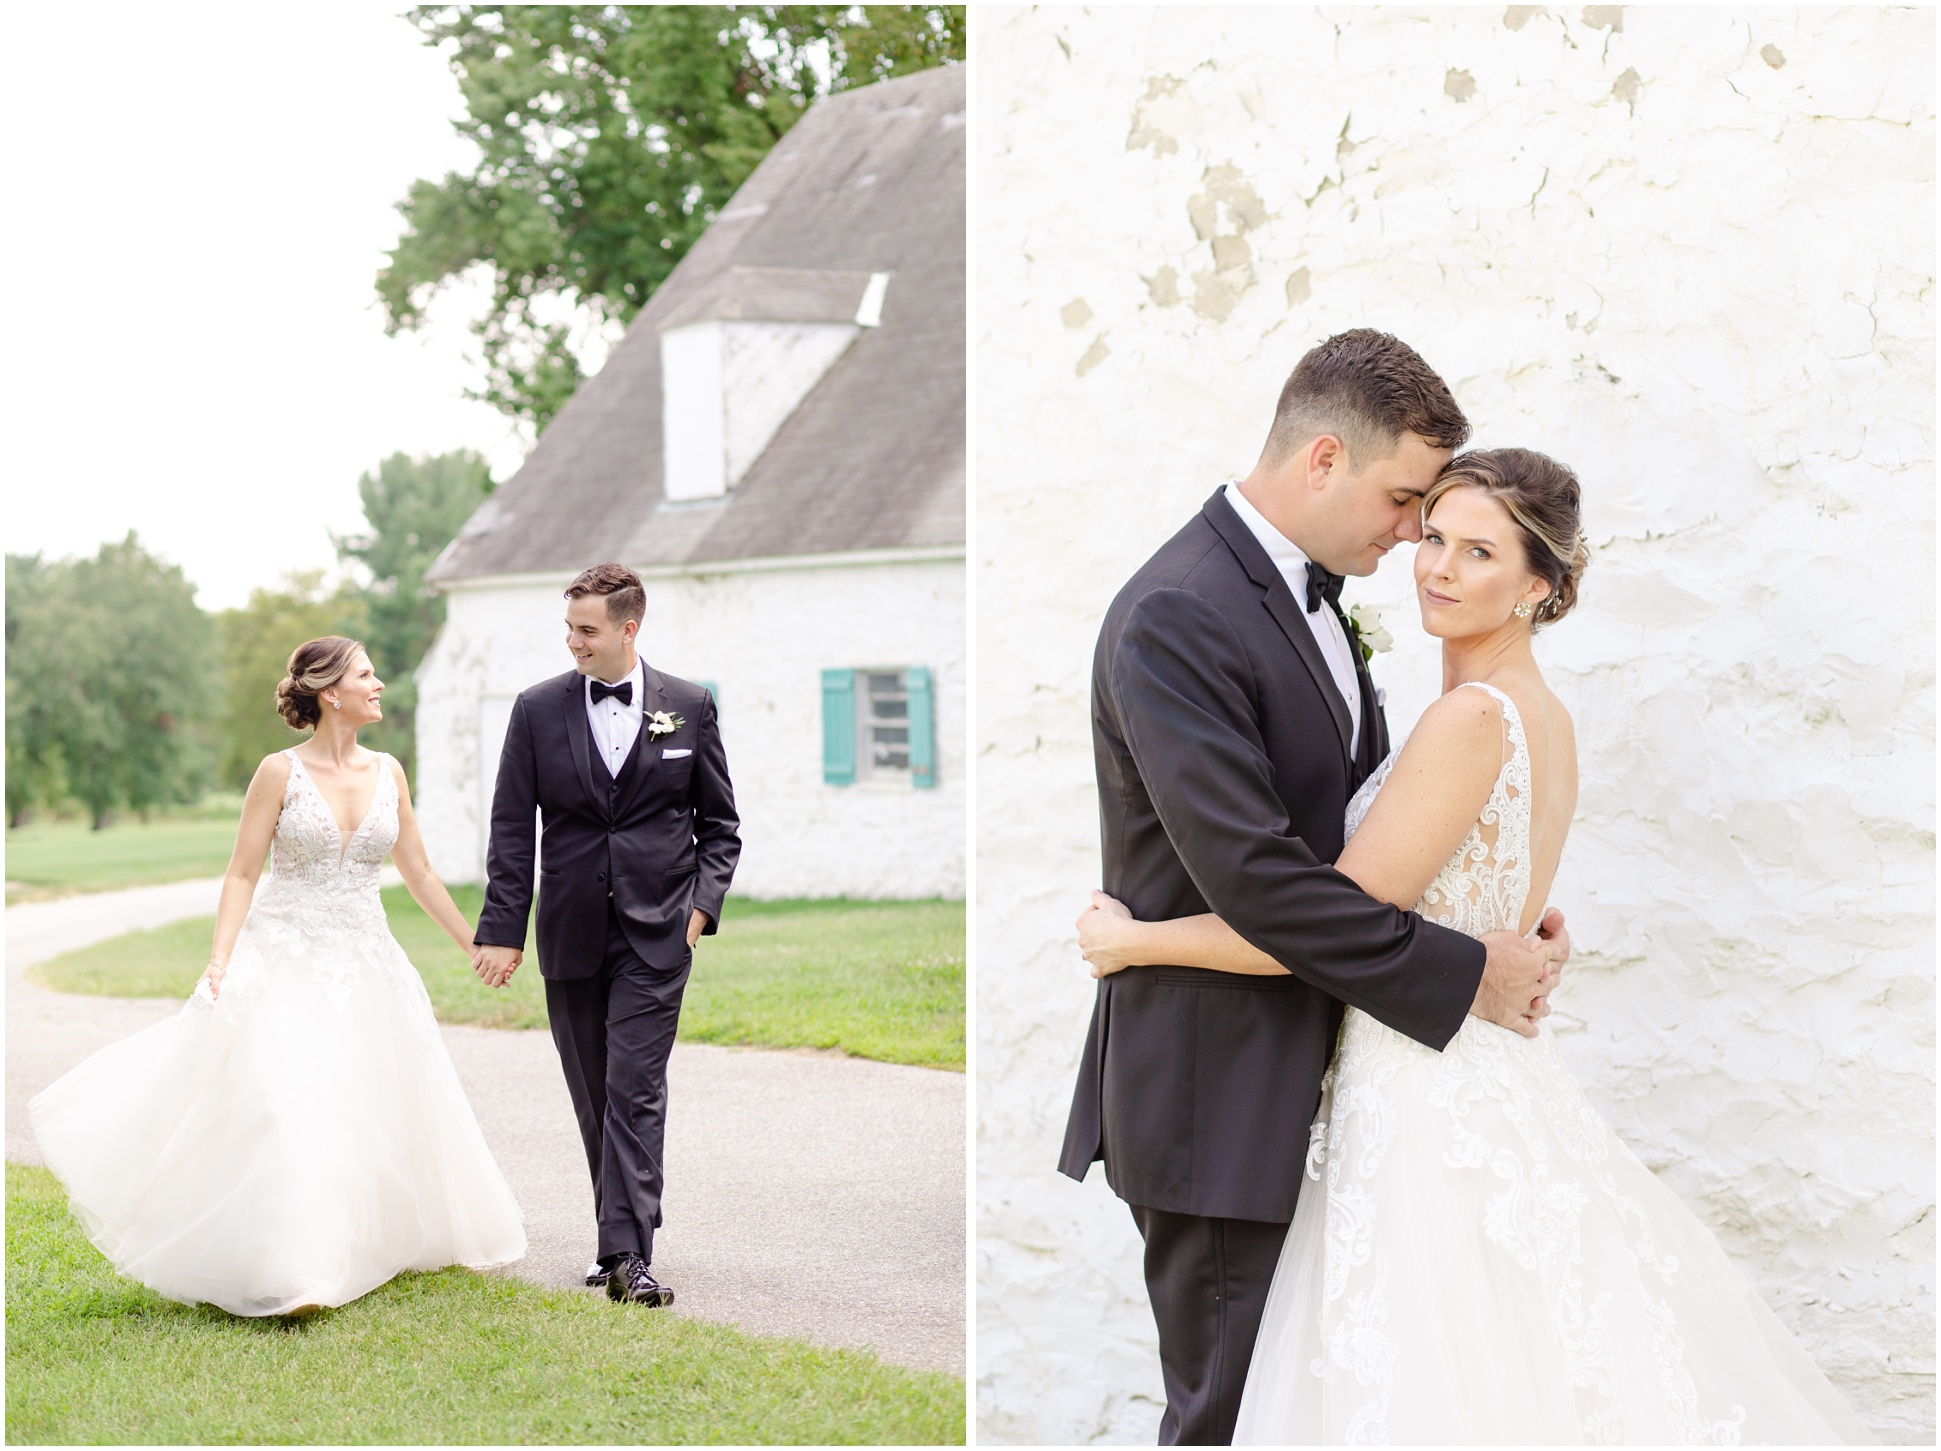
(1107, 935)
(213, 974)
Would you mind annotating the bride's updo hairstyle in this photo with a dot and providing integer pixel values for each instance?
(1545, 499)
(314, 667)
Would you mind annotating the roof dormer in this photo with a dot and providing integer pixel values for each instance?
(738, 356)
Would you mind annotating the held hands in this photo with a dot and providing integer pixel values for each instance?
(1105, 932)
(495, 965)
(1520, 974)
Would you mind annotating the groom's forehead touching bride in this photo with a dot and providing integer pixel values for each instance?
(1363, 427)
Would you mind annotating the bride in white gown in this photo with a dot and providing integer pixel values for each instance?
(1478, 1258)
(296, 1135)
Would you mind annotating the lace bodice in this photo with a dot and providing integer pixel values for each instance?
(320, 909)
(1484, 886)
(308, 846)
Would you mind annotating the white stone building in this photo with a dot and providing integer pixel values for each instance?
(1688, 251)
(777, 445)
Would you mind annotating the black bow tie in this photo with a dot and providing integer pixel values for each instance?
(1320, 585)
(623, 692)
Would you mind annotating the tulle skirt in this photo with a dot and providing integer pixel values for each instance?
(297, 1142)
(1478, 1259)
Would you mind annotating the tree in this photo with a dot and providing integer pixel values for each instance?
(37, 687)
(256, 645)
(109, 681)
(414, 507)
(609, 136)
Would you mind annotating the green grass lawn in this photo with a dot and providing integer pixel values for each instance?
(52, 858)
(881, 980)
(452, 1357)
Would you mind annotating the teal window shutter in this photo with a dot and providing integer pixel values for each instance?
(923, 734)
(839, 727)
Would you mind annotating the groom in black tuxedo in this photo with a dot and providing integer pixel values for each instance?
(1232, 718)
(625, 769)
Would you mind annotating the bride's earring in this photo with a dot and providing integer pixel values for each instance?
(1522, 610)
(339, 705)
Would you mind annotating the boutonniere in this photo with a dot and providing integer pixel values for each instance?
(1365, 624)
(660, 723)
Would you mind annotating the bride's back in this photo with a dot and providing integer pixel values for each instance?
(1551, 740)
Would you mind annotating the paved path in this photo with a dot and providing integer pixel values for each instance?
(808, 1195)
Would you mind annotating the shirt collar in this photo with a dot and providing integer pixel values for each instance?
(637, 676)
(1288, 557)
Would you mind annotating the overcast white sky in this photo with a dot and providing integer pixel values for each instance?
(201, 198)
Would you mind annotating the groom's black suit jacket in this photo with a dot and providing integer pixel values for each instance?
(661, 837)
(1224, 769)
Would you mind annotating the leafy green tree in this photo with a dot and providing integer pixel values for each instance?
(37, 688)
(256, 645)
(113, 663)
(609, 136)
(415, 507)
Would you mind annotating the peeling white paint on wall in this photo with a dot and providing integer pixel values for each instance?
(761, 637)
(1691, 253)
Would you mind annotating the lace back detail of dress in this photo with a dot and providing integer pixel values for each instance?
(1483, 887)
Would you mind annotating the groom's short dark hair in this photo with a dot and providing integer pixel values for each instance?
(626, 600)
(1367, 388)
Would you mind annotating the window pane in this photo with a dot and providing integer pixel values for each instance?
(884, 721)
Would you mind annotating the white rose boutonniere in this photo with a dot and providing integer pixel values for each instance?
(1370, 638)
(660, 723)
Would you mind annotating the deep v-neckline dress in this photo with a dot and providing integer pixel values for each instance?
(302, 1138)
(1478, 1259)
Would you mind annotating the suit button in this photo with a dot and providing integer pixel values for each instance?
(601, 876)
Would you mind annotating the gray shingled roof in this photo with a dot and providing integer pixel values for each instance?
(870, 180)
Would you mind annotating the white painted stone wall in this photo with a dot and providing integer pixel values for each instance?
(763, 637)
(1691, 253)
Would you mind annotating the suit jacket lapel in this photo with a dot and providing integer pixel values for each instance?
(1287, 614)
(646, 752)
(1374, 729)
(580, 734)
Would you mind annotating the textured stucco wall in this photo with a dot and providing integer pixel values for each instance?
(763, 637)
(1689, 252)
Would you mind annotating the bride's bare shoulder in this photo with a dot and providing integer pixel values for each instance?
(272, 774)
(1461, 719)
(398, 778)
(1457, 738)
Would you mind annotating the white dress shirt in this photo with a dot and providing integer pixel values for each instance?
(615, 725)
(1336, 648)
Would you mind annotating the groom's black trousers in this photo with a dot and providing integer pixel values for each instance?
(614, 1031)
(1208, 1281)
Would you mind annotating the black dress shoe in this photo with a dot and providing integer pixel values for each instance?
(596, 1274)
(630, 1283)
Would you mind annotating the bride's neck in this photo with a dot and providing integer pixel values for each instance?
(1501, 651)
(334, 740)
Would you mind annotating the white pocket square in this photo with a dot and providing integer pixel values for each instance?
(670, 755)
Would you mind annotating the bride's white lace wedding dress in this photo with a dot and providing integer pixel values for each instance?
(303, 1138)
(1479, 1259)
